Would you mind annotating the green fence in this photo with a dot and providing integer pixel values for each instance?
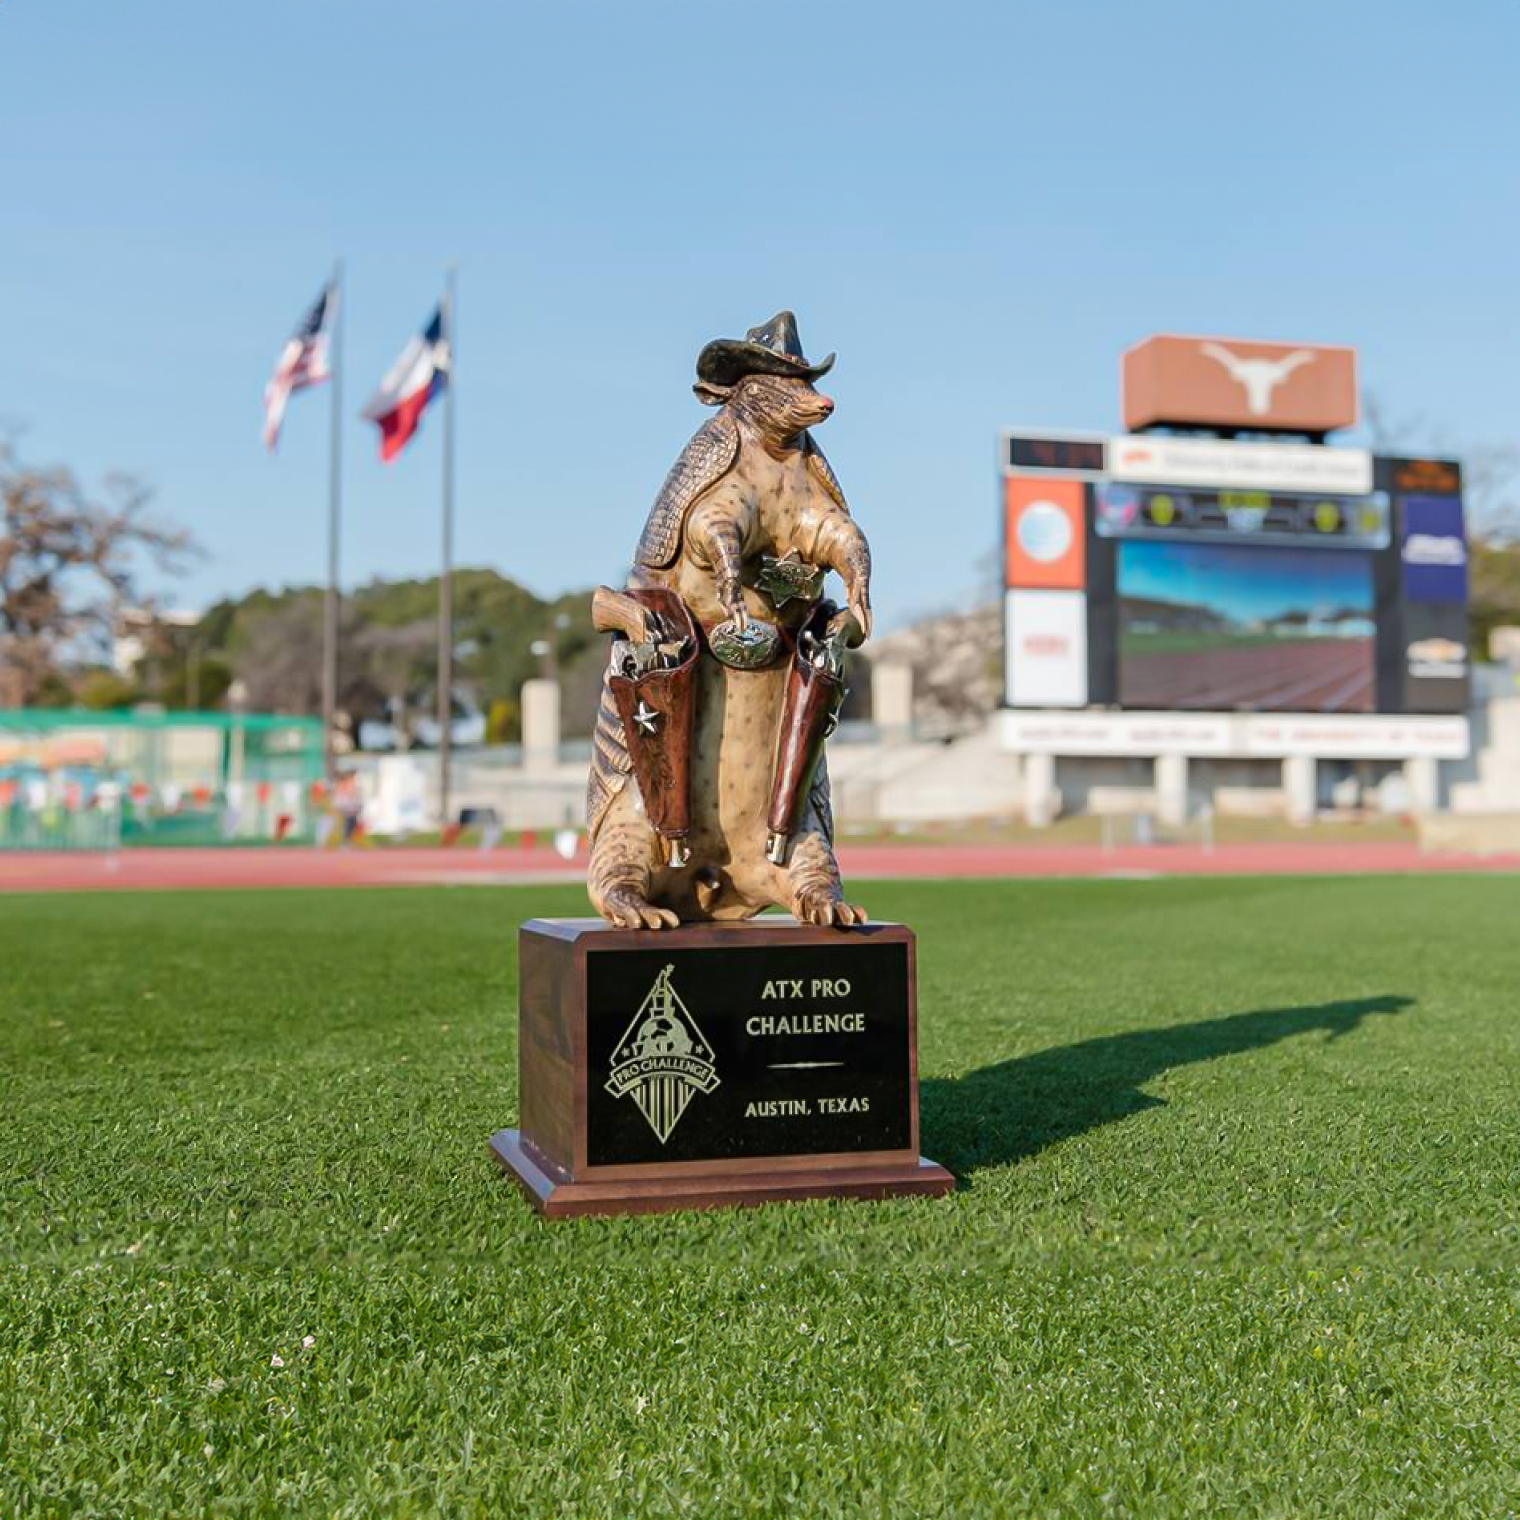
(75, 779)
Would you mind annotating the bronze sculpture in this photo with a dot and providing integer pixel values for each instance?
(709, 796)
(711, 1065)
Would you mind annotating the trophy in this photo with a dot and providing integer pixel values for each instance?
(679, 1051)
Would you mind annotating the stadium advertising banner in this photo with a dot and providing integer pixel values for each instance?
(1434, 551)
(1225, 462)
(1045, 604)
(1210, 575)
(1045, 542)
(1046, 650)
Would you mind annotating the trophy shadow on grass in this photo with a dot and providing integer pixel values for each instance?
(1017, 1108)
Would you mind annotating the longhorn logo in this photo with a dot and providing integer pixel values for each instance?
(1260, 377)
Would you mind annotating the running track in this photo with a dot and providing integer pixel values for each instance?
(203, 869)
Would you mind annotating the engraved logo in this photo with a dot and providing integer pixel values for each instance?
(662, 1059)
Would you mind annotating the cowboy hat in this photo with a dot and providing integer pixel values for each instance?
(772, 349)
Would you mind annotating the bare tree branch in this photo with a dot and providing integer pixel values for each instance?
(70, 561)
(1490, 471)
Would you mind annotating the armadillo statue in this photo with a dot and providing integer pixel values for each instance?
(709, 795)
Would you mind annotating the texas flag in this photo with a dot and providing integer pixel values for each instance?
(412, 381)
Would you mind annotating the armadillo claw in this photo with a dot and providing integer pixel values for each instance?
(860, 610)
(820, 906)
(628, 910)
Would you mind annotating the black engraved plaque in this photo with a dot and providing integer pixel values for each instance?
(764, 1050)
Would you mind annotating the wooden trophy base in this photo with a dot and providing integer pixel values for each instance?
(566, 1200)
(715, 1065)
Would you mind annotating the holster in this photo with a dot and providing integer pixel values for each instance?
(809, 712)
(658, 711)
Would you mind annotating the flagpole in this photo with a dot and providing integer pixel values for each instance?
(446, 577)
(334, 502)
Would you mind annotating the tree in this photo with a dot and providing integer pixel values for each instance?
(100, 689)
(1490, 471)
(1493, 589)
(70, 560)
(387, 649)
(400, 664)
(278, 658)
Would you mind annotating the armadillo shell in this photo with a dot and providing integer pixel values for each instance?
(706, 459)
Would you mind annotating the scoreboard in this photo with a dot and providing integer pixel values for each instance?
(1203, 574)
(1226, 516)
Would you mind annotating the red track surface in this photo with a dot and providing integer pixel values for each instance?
(199, 870)
(1318, 675)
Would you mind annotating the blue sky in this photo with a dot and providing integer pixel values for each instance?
(977, 205)
(1247, 584)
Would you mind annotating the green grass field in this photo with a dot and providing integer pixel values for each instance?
(1182, 641)
(1238, 1231)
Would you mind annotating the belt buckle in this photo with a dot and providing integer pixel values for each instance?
(746, 648)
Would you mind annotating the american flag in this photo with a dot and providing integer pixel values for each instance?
(303, 362)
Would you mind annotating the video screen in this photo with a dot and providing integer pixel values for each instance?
(1222, 628)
